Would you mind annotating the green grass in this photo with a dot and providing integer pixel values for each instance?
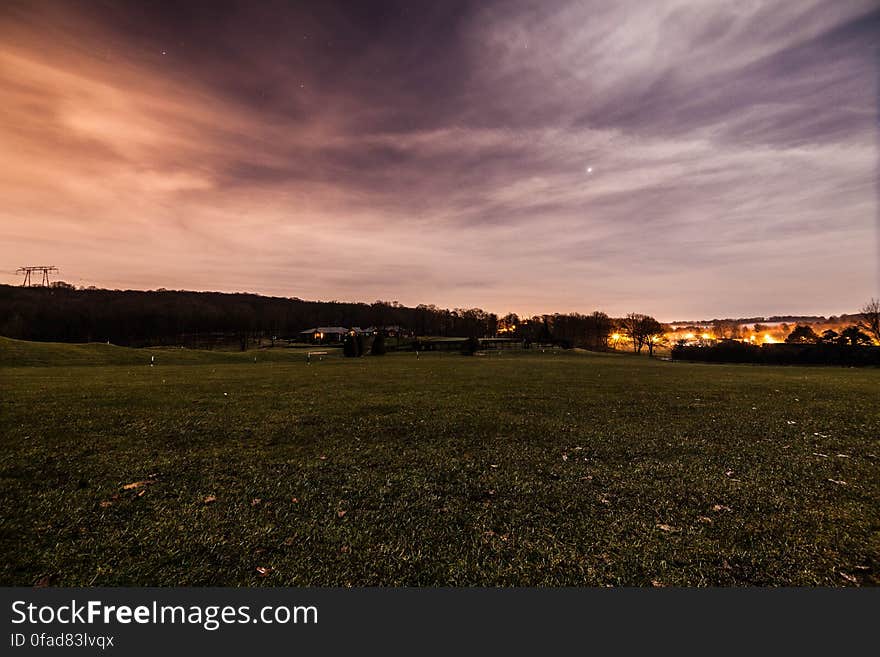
(520, 469)
(17, 353)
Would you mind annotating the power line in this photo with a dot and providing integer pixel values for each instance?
(45, 270)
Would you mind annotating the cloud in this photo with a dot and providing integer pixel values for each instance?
(442, 156)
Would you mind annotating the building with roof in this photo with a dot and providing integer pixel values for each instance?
(324, 334)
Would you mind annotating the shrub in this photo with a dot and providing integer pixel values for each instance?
(470, 346)
(781, 354)
(378, 346)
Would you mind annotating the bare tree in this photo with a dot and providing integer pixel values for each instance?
(630, 326)
(871, 319)
(643, 330)
(653, 333)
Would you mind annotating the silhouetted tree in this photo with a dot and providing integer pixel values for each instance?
(598, 327)
(802, 334)
(509, 323)
(378, 346)
(870, 322)
(642, 330)
(652, 332)
(853, 336)
(830, 336)
(630, 327)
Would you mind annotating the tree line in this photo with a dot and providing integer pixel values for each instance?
(853, 345)
(63, 313)
(170, 317)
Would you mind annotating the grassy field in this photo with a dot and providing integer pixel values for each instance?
(522, 469)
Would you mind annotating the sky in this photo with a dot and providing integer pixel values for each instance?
(680, 158)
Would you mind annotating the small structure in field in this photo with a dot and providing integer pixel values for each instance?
(324, 334)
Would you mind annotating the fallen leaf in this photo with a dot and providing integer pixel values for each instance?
(43, 582)
(106, 503)
(667, 528)
(345, 549)
(210, 499)
(141, 492)
(256, 501)
(494, 466)
(290, 540)
(839, 482)
(138, 484)
(705, 519)
(340, 514)
(657, 584)
(720, 507)
(263, 571)
(294, 500)
(849, 578)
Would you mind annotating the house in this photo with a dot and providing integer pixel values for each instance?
(324, 334)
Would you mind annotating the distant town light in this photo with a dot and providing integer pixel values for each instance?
(615, 336)
(706, 336)
(688, 336)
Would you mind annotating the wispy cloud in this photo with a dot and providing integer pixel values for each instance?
(678, 158)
